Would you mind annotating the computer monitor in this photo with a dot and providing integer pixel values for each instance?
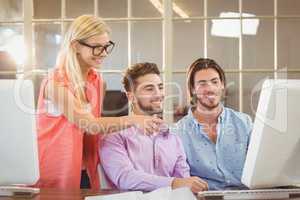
(273, 157)
(18, 138)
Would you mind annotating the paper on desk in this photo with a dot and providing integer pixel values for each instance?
(121, 196)
(165, 193)
(182, 194)
(159, 194)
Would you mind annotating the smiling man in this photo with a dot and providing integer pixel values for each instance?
(215, 137)
(135, 161)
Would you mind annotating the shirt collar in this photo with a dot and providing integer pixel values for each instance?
(92, 75)
(195, 121)
(222, 115)
(165, 132)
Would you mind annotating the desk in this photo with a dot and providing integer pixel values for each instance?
(53, 194)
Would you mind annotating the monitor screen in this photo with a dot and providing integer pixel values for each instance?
(18, 139)
(273, 155)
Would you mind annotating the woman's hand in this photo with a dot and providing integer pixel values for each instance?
(149, 124)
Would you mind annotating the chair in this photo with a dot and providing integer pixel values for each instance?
(115, 104)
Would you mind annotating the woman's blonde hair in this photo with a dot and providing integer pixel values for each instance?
(82, 28)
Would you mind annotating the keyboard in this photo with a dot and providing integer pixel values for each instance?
(18, 191)
(251, 194)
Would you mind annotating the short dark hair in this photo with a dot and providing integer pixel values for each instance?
(137, 70)
(202, 64)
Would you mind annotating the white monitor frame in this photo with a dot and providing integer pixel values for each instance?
(18, 137)
(273, 157)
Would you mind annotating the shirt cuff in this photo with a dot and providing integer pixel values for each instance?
(165, 182)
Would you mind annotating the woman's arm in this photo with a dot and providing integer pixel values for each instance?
(71, 108)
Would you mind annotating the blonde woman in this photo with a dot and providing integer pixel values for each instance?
(69, 108)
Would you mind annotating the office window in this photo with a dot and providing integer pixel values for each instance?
(188, 8)
(259, 7)
(223, 42)
(146, 8)
(112, 8)
(11, 10)
(147, 42)
(288, 43)
(118, 59)
(188, 42)
(45, 9)
(260, 40)
(251, 90)
(12, 42)
(289, 75)
(217, 7)
(75, 8)
(231, 98)
(113, 81)
(179, 89)
(251, 41)
(288, 7)
(47, 41)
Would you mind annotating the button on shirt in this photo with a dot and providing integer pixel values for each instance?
(220, 163)
(134, 161)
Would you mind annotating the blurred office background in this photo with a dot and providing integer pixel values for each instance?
(251, 39)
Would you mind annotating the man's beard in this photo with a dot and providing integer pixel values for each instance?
(149, 110)
(209, 105)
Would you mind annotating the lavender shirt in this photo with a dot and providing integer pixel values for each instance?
(134, 161)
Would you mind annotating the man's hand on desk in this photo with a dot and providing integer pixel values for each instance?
(196, 184)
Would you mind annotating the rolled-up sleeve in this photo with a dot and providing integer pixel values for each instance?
(120, 170)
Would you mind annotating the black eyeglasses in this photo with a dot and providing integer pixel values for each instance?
(98, 49)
